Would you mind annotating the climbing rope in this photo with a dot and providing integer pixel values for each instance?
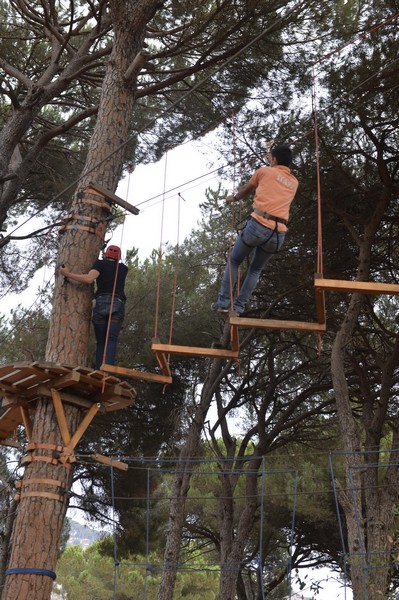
(158, 288)
(233, 212)
(114, 289)
(176, 272)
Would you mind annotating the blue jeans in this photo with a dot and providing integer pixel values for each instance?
(100, 318)
(266, 243)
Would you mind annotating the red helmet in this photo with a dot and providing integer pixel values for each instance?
(113, 252)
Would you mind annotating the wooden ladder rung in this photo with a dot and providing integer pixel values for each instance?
(193, 351)
(136, 374)
(364, 287)
(276, 324)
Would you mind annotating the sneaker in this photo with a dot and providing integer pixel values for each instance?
(217, 308)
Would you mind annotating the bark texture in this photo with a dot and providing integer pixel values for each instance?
(38, 526)
(369, 495)
(183, 476)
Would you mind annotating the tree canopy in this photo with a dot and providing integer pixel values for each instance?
(291, 393)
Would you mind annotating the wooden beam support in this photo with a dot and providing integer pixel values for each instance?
(110, 461)
(247, 322)
(136, 374)
(162, 349)
(10, 401)
(27, 422)
(83, 426)
(43, 390)
(80, 431)
(111, 406)
(60, 414)
(163, 362)
(119, 201)
(362, 287)
(9, 421)
(234, 335)
(63, 382)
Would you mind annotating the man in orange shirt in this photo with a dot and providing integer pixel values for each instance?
(275, 188)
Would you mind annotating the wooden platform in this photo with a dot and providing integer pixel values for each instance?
(22, 384)
(249, 323)
(162, 351)
(194, 351)
(363, 287)
(321, 286)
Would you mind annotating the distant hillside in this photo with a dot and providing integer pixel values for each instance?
(82, 535)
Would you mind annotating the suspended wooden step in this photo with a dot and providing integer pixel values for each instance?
(161, 352)
(247, 322)
(363, 287)
(136, 374)
(194, 351)
(253, 323)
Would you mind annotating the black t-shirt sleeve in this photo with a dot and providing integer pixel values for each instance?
(97, 265)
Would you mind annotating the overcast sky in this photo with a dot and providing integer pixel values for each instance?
(164, 215)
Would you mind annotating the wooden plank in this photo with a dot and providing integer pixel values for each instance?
(111, 406)
(34, 369)
(163, 364)
(110, 461)
(10, 390)
(54, 368)
(13, 376)
(136, 374)
(9, 421)
(66, 381)
(363, 287)
(247, 322)
(85, 385)
(160, 349)
(27, 422)
(88, 384)
(81, 401)
(83, 426)
(45, 391)
(162, 361)
(16, 400)
(112, 399)
(109, 395)
(235, 339)
(99, 375)
(107, 194)
(60, 414)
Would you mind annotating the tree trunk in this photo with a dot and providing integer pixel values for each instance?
(368, 506)
(234, 539)
(38, 526)
(40, 517)
(183, 477)
(6, 538)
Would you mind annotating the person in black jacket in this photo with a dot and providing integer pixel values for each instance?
(110, 276)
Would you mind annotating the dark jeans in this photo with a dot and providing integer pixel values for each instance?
(101, 317)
